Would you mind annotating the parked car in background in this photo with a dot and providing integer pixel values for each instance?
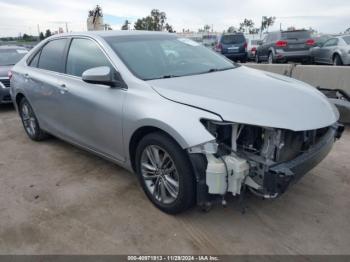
(335, 51)
(193, 127)
(285, 46)
(320, 40)
(209, 40)
(253, 45)
(233, 46)
(9, 56)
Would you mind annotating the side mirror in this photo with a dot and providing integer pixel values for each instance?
(103, 76)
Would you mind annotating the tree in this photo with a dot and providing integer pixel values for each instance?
(246, 26)
(156, 21)
(126, 24)
(232, 29)
(169, 28)
(206, 28)
(254, 31)
(266, 23)
(41, 36)
(25, 37)
(48, 33)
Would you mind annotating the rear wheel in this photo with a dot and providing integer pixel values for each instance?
(30, 122)
(270, 59)
(257, 59)
(165, 173)
(337, 60)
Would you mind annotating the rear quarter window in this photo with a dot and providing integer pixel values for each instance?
(52, 56)
(347, 39)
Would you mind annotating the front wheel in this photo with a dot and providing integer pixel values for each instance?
(337, 60)
(30, 122)
(165, 173)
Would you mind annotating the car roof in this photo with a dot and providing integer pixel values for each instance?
(112, 33)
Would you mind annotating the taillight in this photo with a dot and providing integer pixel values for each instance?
(310, 42)
(9, 74)
(245, 45)
(253, 49)
(281, 43)
(218, 47)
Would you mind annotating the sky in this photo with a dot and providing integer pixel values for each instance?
(24, 16)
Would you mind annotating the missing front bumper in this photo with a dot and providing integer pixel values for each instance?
(281, 175)
(277, 177)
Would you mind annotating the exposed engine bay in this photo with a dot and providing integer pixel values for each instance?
(261, 159)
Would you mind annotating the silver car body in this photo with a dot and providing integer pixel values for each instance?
(334, 46)
(104, 120)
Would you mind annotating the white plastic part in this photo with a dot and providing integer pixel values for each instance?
(238, 170)
(217, 175)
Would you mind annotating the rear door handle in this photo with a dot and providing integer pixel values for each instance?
(63, 89)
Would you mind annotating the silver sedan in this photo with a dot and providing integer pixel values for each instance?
(191, 124)
(335, 51)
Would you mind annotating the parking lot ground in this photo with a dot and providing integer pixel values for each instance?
(57, 199)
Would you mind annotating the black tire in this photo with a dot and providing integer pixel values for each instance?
(270, 58)
(244, 60)
(186, 183)
(257, 59)
(31, 124)
(337, 60)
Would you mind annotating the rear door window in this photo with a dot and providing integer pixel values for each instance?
(232, 39)
(347, 39)
(52, 56)
(84, 54)
(296, 35)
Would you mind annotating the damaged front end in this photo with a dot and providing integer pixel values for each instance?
(262, 159)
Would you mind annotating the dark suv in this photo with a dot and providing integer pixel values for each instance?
(233, 46)
(285, 46)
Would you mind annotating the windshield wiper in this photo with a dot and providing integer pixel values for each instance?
(161, 77)
(169, 76)
(211, 70)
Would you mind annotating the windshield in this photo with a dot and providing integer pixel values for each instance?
(11, 56)
(155, 57)
(296, 35)
(232, 39)
(347, 39)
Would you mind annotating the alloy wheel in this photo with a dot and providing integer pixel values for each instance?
(29, 120)
(160, 174)
(270, 59)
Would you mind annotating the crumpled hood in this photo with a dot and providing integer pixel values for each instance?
(254, 97)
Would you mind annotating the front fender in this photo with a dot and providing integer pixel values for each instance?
(180, 121)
